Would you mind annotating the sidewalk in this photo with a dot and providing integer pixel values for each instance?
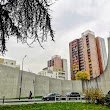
(17, 101)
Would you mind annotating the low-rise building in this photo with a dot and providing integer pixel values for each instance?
(8, 62)
(52, 74)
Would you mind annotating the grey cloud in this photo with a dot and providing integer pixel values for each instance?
(69, 21)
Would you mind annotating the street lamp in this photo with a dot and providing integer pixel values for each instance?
(21, 77)
(34, 89)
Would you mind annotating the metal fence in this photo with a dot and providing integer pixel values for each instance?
(64, 98)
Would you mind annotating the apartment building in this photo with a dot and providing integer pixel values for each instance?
(74, 58)
(55, 64)
(84, 55)
(90, 54)
(56, 68)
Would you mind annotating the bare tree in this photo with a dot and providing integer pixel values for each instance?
(24, 19)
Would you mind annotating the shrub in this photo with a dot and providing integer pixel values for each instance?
(93, 95)
(107, 99)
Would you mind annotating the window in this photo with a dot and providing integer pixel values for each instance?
(86, 36)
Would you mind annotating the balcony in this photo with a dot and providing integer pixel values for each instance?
(81, 61)
(82, 67)
(90, 63)
(81, 57)
(90, 66)
(88, 50)
(82, 64)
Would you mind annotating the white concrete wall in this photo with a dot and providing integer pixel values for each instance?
(66, 86)
(55, 86)
(41, 85)
(27, 83)
(10, 80)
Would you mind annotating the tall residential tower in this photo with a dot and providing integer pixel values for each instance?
(84, 55)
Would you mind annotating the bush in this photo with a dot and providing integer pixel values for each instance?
(107, 99)
(93, 95)
(102, 101)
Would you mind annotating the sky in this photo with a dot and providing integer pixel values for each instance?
(70, 18)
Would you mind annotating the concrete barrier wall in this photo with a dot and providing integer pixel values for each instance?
(66, 86)
(77, 86)
(27, 84)
(8, 81)
(55, 86)
(41, 85)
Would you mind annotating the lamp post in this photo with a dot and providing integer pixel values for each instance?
(34, 89)
(21, 77)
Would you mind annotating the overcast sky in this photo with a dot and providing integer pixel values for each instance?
(69, 19)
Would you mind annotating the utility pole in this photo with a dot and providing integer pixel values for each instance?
(34, 89)
(21, 77)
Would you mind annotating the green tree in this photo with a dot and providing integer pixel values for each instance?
(26, 20)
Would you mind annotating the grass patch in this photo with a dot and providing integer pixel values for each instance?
(55, 106)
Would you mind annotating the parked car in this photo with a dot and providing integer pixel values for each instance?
(73, 94)
(51, 96)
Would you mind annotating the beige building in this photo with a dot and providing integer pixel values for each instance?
(90, 53)
(56, 68)
(8, 62)
(55, 64)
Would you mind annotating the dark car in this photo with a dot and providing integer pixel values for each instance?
(51, 96)
(73, 94)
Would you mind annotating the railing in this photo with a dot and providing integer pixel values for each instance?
(65, 98)
(56, 99)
